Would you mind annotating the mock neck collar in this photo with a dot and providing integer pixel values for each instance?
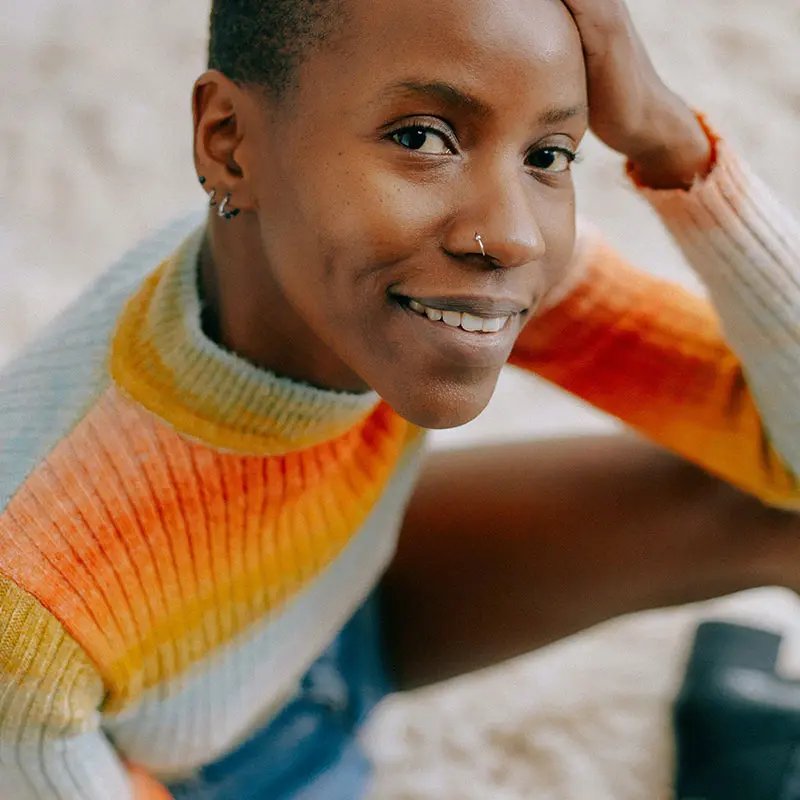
(162, 359)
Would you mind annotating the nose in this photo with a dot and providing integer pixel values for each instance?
(501, 212)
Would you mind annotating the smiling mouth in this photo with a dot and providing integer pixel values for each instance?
(457, 319)
(484, 316)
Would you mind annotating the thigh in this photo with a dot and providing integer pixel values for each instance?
(508, 547)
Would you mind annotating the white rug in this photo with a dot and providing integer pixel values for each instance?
(95, 149)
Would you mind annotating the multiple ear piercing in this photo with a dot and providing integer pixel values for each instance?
(224, 210)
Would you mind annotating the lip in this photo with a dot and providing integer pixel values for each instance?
(484, 307)
(457, 346)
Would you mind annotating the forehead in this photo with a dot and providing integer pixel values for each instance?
(513, 49)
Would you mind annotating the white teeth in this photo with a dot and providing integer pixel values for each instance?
(452, 318)
(455, 319)
(471, 323)
(433, 314)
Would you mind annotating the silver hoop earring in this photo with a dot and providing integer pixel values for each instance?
(223, 205)
(223, 211)
(212, 198)
(479, 240)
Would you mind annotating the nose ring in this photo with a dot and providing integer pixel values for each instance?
(479, 240)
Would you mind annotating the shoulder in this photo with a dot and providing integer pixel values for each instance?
(49, 386)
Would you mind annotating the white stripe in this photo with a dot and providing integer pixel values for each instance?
(197, 718)
(755, 287)
(46, 390)
(82, 767)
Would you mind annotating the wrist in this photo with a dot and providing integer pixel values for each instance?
(679, 149)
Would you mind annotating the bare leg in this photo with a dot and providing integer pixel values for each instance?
(507, 548)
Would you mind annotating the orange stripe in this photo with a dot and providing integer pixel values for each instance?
(153, 550)
(653, 355)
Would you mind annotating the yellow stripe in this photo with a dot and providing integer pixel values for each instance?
(49, 682)
(154, 551)
(161, 359)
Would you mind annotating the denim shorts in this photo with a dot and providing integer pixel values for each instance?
(311, 750)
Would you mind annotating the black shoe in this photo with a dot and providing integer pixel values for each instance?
(737, 724)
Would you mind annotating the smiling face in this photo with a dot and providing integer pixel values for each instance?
(423, 124)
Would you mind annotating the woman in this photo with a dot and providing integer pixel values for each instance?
(206, 464)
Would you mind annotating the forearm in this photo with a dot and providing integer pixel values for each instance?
(745, 246)
(654, 355)
(735, 234)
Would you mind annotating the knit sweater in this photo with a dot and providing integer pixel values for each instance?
(182, 534)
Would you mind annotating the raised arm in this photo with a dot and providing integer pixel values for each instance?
(654, 355)
(714, 383)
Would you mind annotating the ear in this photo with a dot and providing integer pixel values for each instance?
(220, 111)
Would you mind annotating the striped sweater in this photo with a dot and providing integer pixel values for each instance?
(182, 534)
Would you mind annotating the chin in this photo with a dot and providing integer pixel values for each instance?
(441, 405)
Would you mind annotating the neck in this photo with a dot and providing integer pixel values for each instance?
(247, 312)
(161, 359)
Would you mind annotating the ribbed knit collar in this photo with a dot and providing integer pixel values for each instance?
(161, 358)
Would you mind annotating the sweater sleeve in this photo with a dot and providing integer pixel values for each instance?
(745, 246)
(713, 383)
(51, 743)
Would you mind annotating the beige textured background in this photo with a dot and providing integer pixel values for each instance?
(95, 150)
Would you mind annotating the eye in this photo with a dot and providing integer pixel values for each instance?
(551, 159)
(423, 140)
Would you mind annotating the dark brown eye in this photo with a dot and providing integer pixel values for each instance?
(423, 140)
(551, 159)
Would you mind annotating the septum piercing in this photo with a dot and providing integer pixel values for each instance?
(479, 240)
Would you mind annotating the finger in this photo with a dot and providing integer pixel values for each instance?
(605, 26)
(603, 16)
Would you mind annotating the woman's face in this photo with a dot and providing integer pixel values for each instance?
(427, 121)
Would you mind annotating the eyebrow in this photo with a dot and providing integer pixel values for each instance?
(439, 90)
(453, 96)
(555, 115)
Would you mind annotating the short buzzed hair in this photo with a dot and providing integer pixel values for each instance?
(263, 42)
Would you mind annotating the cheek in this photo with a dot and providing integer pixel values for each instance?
(337, 231)
(556, 218)
(380, 219)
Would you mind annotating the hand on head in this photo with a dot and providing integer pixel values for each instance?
(631, 108)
